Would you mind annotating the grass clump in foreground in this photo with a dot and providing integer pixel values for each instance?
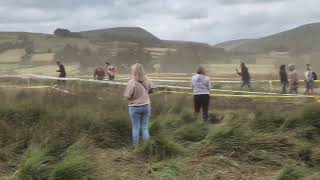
(293, 172)
(76, 164)
(268, 121)
(159, 148)
(35, 165)
(169, 170)
(113, 132)
(57, 122)
(193, 132)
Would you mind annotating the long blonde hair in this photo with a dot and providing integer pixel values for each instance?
(137, 72)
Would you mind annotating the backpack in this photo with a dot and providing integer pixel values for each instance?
(314, 76)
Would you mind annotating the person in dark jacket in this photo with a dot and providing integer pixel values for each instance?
(245, 76)
(283, 75)
(62, 73)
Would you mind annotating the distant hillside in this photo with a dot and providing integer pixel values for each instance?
(230, 45)
(124, 34)
(176, 44)
(305, 38)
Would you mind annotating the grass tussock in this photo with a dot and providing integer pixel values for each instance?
(312, 116)
(228, 140)
(193, 132)
(57, 122)
(165, 124)
(293, 172)
(112, 133)
(187, 116)
(76, 164)
(168, 171)
(267, 121)
(160, 148)
(36, 164)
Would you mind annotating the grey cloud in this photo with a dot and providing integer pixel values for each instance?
(235, 2)
(194, 14)
(54, 4)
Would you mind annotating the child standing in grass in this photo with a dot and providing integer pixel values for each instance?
(201, 87)
(137, 93)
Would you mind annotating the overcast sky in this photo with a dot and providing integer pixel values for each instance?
(210, 21)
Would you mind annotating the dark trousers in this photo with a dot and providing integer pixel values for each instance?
(202, 102)
(246, 83)
(284, 87)
(62, 82)
(100, 78)
(111, 78)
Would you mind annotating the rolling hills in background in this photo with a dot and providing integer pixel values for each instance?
(305, 38)
(109, 43)
(230, 45)
(124, 34)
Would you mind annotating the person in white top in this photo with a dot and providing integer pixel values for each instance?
(309, 81)
(201, 87)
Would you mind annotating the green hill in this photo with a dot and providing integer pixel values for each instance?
(305, 38)
(229, 45)
(124, 34)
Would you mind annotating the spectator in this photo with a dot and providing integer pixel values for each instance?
(62, 73)
(293, 79)
(283, 79)
(137, 93)
(309, 80)
(99, 74)
(245, 76)
(201, 87)
(110, 71)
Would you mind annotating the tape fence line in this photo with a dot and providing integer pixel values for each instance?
(151, 78)
(251, 94)
(161, 86)
(26, 87)
(235, 95)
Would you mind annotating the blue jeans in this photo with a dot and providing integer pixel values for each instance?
(140, 116)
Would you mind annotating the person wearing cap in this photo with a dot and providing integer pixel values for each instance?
(309, 81)
(245, 76)
(293, 79)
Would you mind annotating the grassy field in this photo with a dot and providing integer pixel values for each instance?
(47, 134)
(50, 70)
(228, 70)
(12, 56)
(44, 57)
